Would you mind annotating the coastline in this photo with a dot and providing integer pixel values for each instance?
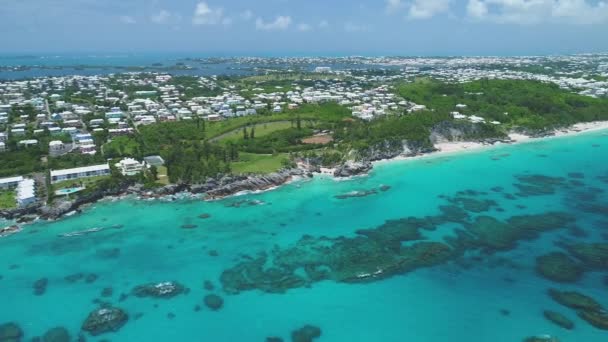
(230, 186)
(451, 148)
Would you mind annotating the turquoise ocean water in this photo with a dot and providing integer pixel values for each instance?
(494, 297)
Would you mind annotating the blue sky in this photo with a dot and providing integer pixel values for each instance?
(337, 27)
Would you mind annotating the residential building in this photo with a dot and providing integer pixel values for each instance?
(10, 182)
(129, 167)
(26, 192)
(80, 172)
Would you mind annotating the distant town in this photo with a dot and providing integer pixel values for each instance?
(60, 135)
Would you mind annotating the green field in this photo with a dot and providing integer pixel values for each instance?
(7, 199)
(261, 129)
(259, 163)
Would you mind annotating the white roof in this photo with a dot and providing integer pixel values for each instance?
(11, 179)
(92, 168)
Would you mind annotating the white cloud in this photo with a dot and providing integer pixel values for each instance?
(425, 9)
(162, 17)
(304, 27)
(477, 9)
(537, 11)
(393, 6)
(127, 19)
(205, 15)
(280, 23)
(351, 27)
(247, 15)
(323, 24)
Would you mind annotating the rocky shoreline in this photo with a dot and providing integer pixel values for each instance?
(228, 185)
(214, 189)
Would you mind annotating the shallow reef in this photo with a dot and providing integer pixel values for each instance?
(10, 332)
(574, 300)
(213, 302)
(558, 267)
(307, 333)
(104, 320)
(166, 289)
(538, 185)
(559, 319)
(491, 235)
(40, 286)
(592, 255)
(58, 334)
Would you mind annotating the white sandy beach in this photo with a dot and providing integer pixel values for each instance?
(464, 146)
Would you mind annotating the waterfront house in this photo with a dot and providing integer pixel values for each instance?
(80, 172)
(26, 192)
(129, 167)
(10, 182)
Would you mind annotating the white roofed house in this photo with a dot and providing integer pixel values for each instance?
(2, 146)
(10, 182)
(80, 172)
(26, 192)
(56, 146)
(129, 167)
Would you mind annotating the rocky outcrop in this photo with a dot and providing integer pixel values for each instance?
(167, 289)
(20, 212)
(105, 320)
(353, 168)
(391, 149)
(253, 183)
(460, 130)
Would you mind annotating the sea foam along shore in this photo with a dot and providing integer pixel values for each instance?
(446, 148)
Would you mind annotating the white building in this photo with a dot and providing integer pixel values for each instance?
(10, 182)
(26, 192)
(80, 172)
(56, 146)
(2, 147)
(129, 167)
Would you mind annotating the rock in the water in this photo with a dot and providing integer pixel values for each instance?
(559, 319)
(558, 267)
(105, 320)
(575, 300)
(306, 334)
(188, 226)
(58, 334)
(40, 286)
(10, 332)
(167, 289)
(352, 168)
(214, 302)
(204, 216)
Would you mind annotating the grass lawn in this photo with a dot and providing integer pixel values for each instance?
(162, 175)
(261, 130)
(258, 163)
(7, 199)
(76, 182)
